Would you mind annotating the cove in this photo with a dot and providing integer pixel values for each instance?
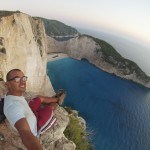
(116, 110)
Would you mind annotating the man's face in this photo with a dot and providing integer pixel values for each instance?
(16, 88)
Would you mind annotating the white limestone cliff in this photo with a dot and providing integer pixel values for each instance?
(23, 39)
(23, 46)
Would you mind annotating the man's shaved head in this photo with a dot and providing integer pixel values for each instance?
(9, 73)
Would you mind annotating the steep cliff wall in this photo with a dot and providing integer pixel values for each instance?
(96, 52)
(23, 46)
(22, 43)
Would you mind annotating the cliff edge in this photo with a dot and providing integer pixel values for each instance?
(23, 46)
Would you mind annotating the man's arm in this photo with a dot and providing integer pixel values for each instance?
(29, 140)
(57, 98)
(46, 100)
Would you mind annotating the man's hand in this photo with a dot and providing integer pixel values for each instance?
(29, 140)
(57, 98)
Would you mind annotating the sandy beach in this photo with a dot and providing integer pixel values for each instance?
(56, 56)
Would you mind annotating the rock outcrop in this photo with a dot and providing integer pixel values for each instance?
(91, 49)
(52, 139)
(23, 46)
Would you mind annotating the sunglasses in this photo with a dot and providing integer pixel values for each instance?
(18, 79)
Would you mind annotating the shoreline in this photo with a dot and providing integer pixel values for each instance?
(56, 56)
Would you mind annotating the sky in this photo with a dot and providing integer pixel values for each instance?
(128, 18)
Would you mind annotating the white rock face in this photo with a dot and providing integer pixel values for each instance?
(85, 47)
(24, 43)
(23, 46)
(76, 47)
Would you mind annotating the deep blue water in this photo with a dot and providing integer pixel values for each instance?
(116, 110)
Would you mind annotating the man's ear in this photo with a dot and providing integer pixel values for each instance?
(7, 84)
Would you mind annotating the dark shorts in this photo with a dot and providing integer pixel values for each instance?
(45, 116)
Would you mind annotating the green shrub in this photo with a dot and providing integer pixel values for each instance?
(76, 133)
(57, 28)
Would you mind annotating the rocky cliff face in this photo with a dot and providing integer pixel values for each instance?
(22, 45)
(52, 139)
(86, 47)
(22, 40)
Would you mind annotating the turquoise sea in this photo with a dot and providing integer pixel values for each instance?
(116, 110)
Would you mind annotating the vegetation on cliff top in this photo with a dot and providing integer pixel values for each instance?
(77, 133)
(111, 56)
(4, 13)
(56, 28)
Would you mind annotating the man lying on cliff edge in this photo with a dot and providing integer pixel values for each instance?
(29, 119)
